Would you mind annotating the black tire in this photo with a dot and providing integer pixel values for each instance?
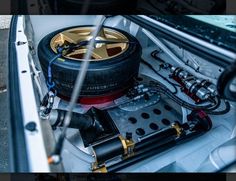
(97, 7)
(105, 77)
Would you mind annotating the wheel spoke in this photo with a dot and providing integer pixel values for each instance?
(115, 45)
(102, 33)
(120, 43)
(71, 37)
(116, 40)
(101, 52)
(75, 53)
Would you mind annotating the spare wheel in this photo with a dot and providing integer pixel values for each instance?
(112, 69)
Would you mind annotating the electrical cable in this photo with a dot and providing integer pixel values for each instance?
(224, 111)
(184, 103)
(154, 55)
(154, 70)
(207, 108)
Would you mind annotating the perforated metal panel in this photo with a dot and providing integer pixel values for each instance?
(145, 116)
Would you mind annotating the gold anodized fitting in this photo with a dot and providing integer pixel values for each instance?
(178, 129)
(128, 145)
(102, 169)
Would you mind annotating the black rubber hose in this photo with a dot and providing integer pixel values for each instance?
(207, 108)
(154, 55)
(226, 110)
(162, 89)
(154, 70)
(189, 106)
(217, 102)
(78, 121)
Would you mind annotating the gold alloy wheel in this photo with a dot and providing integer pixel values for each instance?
(102, 51)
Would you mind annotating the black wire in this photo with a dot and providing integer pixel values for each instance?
(216, 101)
(154, 55)
(186, 104)
(163, 89)
(207, 108)
(226, 110)
(154, 70)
